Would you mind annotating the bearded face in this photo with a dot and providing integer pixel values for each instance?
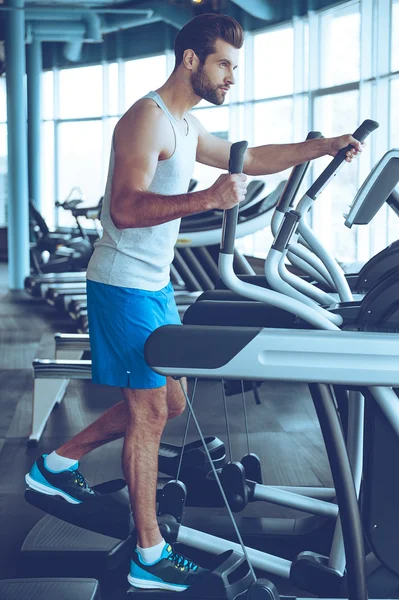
(204, 88)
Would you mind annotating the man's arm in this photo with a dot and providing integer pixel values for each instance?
(142, 137)
(271, 158)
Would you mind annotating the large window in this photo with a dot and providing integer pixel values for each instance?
(326, 71)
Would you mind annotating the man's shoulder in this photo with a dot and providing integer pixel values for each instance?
(145, 108)
(143, 116)
(144, 121)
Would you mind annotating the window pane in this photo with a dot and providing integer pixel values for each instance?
(113, 89)
(81, 92)
(3, 175)
(393, 221)
(340, 42)
(334, 115)
(216, 121)
(395, 36)
(47, 95)
(273, 125)
(109, 126)
(80, 160)
(3, 100)
(394, 129)
(306, 50)
(274, 63)
(47, 174)
(142, 76)
(240, 76)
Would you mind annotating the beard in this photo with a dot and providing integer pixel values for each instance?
(203, 88)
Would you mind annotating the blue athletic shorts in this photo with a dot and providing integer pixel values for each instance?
(120, 321)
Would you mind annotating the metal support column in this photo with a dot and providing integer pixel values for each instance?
(34, 71)
(18, 211)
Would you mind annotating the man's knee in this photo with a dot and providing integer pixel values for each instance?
(176, 400)
(147, 406)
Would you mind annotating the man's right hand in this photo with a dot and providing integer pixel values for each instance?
(227, 191)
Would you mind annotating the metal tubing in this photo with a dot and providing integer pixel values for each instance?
(48, 28)
(160, 11)
(90, 18)
(355, 453)
(116, 23)
(34, 72)
(73, 50)
(254, 292)
(345, 489)
(57, 37)
(387, 400)
(241, 263)
(203, 255)
(18, 207)
(279, 285)
(196, 268)
(335, 271)
(305, 268)
(314, 492)
(297, 501)
(185, 273)
(215, 545)
(304, 287)
(46, 10)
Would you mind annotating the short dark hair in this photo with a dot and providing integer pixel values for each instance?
(201, 33)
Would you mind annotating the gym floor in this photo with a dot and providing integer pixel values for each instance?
(283, 429)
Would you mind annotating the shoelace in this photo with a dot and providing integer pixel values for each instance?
(81, 480)
(182, 562)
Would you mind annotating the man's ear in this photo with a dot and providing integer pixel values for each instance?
(190, 59)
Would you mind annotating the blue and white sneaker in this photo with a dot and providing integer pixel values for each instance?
(171, 572)
(69, 484)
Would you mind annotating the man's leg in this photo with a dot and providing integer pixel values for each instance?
(154, 563)
(60, 468)
(146, 416)
(112, 424)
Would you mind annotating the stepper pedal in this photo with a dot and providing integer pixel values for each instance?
(48, 589)
(54, 547)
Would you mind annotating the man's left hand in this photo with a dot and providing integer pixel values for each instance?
(342, 141)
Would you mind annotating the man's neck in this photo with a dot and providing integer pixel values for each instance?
(178, 96)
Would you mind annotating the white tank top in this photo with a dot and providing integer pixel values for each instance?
(140, 257)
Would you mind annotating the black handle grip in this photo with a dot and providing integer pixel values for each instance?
(237, 155)
(295, 179)
(314, 135)
(236, 165)
(287, 228)
(361, 133)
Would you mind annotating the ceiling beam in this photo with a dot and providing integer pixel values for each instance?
(260, 9)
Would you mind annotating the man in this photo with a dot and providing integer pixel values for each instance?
(155, 146)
